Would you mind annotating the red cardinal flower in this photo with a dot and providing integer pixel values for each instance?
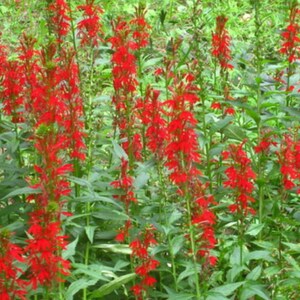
(290, 45)
(221, 43)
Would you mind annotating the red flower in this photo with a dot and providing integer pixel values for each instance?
(90, 28)
(289, 160)
(240, 178)
(221, 43)
(60, 19)
(216, 105)
(291, 39)
(46, 266)
(12, 92)
(11, 284)
(140, 31)
(146, 263)
(265, 143)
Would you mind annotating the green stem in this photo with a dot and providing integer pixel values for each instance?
(258, 101)
(162, 210)
(193, 246)
(241, 238)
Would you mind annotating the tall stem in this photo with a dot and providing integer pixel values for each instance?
(193, 244)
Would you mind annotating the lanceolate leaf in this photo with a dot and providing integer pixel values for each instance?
(108, 288)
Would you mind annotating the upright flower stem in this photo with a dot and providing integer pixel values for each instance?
(193, 245)
(162, 210)
(258, 24)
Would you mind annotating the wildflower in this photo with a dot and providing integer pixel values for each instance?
(221, 43)
(290, 46)
(90, 28)
(182, 153)
(240, 178)
(72, 120)
(151, 115)
(60, 19)
(146, 263)
(216, 105)
(140, 32)
(289, 160)
(11, 284)
(12, 87)
(51, 141)
(265, 143)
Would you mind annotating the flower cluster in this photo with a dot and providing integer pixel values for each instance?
(90, 28)
(141, 29)
(240, 178)
(146, 263)
(68, 75)
(151, 114)
(11, 284)
(12, 83)
(182, 153)
(44, 254)
(289, 160)
(45, 93)
(221, 43)
(291, 40)
(125, 84)
(60, 21)
(265, 143)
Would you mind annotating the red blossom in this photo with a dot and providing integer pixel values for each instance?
(11, 284)
(289, 160)
(290, 45)
(182, 157)
(140, 31)
(221, 43)
(240, 178)
(12, 93)
(146, 263)
(90, 28)
(60, 19)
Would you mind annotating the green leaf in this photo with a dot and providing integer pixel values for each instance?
(90, 230)
(108, 288)
(119, 151)
(253, 290)
(22, 191)
(259, 255)
(254, 115)
(177, 243)
(254, 229)
(181, 296)
(234, 132)
(189, 270)
(235, 256)
(176, 215)
(151, 62)
(79, 285)
(80, 181)
(293, 247)
(94, 271)
(110, 214)
(140, 180)
(216, 296)
(71, 249)
(220, 124)
(271, 271)
(116, 248)
(255, 273)
(227, 289)
(178, 296)
(234, 272)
